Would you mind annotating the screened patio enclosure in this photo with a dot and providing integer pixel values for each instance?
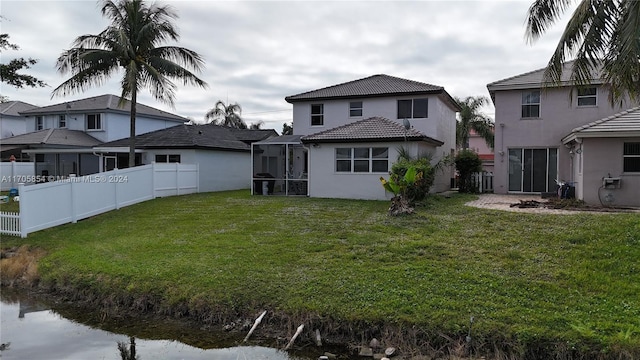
(279, 166)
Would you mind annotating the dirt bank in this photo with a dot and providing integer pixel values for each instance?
(19, 268)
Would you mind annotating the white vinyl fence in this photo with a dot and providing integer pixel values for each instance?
(483, 181)
(50, 204)
(12, 173)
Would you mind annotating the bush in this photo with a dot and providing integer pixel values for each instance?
(467, 163)
(419, 190)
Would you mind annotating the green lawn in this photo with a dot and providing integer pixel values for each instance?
(570, 281)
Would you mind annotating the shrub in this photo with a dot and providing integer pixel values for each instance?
(420, 189)
(467, 162)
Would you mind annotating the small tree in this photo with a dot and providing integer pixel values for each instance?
(467, 163)
(399, 186)
(287, 129)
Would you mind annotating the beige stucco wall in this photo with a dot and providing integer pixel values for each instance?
(559, 114)
(600, 158)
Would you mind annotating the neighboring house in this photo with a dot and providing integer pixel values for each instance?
(98, 118)
(346, 136)
(568, 134)
(11, 122)
(223, 155)
(484, 151)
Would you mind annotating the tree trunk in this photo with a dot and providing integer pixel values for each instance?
(400, 206)
(132, 131)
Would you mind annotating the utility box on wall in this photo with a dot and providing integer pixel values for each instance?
(611, 183)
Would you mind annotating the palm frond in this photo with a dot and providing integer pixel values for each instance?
(542, 14)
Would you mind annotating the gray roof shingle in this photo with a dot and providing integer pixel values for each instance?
(535, 78)
(54, 137)
(190, 137)
(622, 124)
(13, 108)
(373, 129)
(376, 85)
(253, 135)
(101, 103)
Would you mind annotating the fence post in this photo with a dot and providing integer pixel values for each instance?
(198, 178)
(23, 213)
(177, 179)
(115, 187)
(153, 178)
(74, 216)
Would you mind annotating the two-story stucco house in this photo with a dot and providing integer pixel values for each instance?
(61, 137)
(346, 136)
(11, 122)
(568, 134)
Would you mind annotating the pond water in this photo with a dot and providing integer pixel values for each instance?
(30, 329)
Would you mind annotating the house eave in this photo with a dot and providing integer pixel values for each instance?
(371, 140)
(600, 134)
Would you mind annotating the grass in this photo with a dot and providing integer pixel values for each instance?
(565, 280)
(11, 206)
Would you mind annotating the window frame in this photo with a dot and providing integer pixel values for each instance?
(530, 105)
(357, 107)
(97, 119)
(583, 96)
(62, 121)
(631, 150)
(353, 156)
(319, 116)
(167, 158)
(39, 122)
(414, 103)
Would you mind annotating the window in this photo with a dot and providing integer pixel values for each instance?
(587, 96)
(317, 115)
(39, 123)
(163, 158)
(531, 104)
(362, 160)
(631, 157)
(62, 121)
(413, 108)
(355, 108)
(94, 122)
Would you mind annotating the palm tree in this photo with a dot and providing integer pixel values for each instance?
(472, 119)
(229, 115)
(130, 43)
(601, 36)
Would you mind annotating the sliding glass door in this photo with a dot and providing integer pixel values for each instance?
(533, 170)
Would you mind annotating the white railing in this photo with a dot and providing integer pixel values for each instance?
(483, 181)
(12, 173)
(50, 204)
(10, 223)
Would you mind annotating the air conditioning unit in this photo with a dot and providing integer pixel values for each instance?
(611, 183)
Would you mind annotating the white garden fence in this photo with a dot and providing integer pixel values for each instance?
(50, 204)
(12, 173)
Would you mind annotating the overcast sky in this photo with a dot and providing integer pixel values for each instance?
(258, 52)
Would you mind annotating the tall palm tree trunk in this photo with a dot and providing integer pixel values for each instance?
(132, 129)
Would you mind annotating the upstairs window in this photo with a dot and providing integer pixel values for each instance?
(631, 157)
(587, 96)
(413, 108)
(355, 109)
(531, 104)
(317, 115)
(62, 121)
(94, 122)
(39, 123)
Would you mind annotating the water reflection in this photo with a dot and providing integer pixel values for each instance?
(30, 330)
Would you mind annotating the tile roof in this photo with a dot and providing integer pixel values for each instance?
(535, 78)
(13, 108)
(374, 129)
(102, 103)
(57, 137)
(188, 137)
(623, 124)
(253, 135)
(376, 85)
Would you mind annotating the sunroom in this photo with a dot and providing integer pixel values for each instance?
(280, 166)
